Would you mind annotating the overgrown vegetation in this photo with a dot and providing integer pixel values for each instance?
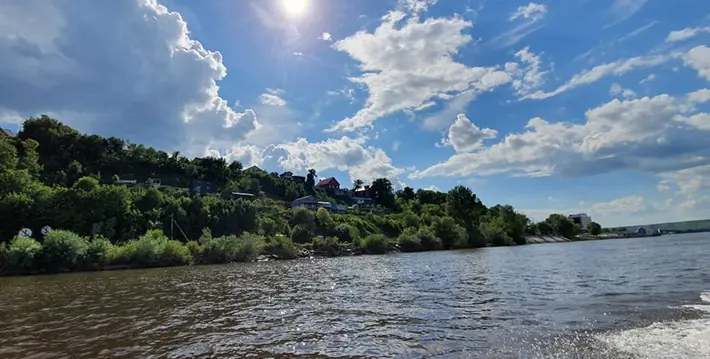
(50, 174)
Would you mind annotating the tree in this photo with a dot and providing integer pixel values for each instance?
(383, 192)
(561, 225)
(463, 206)
(29, 159)
(311, 178)
(357, 184)
(594, 228)
(408, 194)
(8, 155)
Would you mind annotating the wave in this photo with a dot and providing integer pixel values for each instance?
(686, 339)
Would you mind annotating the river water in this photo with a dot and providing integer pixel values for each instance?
(625, 298)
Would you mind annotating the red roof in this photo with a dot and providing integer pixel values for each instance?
(328, 182)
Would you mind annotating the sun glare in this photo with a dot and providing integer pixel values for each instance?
(295, 7)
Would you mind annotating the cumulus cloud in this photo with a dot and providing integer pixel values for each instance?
(687, 33)
(344, 154)
(649, 134)
(528, 77)
(624, 205)
(464, 136)
(126, 68)
(417, 6)
(271, 99)
(698, 58)
(326, 37)
(615, 68)
(617, 90)
(530, 11)
(406, 67)
(699, 96)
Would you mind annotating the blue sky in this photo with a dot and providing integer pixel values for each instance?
(551, 106)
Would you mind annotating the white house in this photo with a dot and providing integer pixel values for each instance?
(581, 219)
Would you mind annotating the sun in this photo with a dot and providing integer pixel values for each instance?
(295, 7)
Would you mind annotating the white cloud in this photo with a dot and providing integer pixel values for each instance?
(647, 134)
(699, 96)
(615, 68)
(624, 205)
(344, 154)
(453, 107)
(528, 20)
(153, 84)
(464, 136)
(648, 78)
(527, 78)
(407, 66)
(624, 9)
(432, 188)
(326, 37)
(616, 90)
(530, 11)
(417, 6)
(686, 33)
(396, 145)
(691, 183)
(698, 58)
(271, 100)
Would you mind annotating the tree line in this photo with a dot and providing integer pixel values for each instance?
(50, 174)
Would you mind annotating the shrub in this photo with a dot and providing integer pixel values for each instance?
(153, 249)
(281, 247)
(428, 240)
(62, 251)
(495, 235)
(327, 247)
(346, 233)
(193, 247)
(230, 249)
(301, 234)
(97, 253)
(409, 242)
(20, 256)
(446, 229)
(375, 244)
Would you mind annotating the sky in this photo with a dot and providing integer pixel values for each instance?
(596, 106)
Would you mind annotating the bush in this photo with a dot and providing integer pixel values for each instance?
(281, 247)
(193, 247)
(375, 244)
(329, 247)
(495, 235)
(230, 249)
(428, 240)
(153, 249)
(346, 233)
(20, 256)
(63, 251)
(97, 253)
(301, 234)
(446, 229)
(409, 242)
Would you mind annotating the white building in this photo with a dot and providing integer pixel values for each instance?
(581, 219)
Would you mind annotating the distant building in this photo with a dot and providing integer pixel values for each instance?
(328, 183)
(641, 231)
(363, 201)
(153, 182)
(364, 192)
(124, 182)
(307, 202)
(200, 188)
(242, 195)
(299, 179)
(6, 132)
(580, 219)
(287, 175)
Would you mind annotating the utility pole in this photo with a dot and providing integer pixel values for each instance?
(171, 227)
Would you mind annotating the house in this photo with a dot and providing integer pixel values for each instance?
(363, 201)
(328, 183)
(153, 182)
(365, 192)
(6, 132)
(241, 195)
(121, 182)
(307, 202)
(286, 175)
(200, 188)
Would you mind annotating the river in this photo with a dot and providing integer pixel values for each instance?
(624, 298)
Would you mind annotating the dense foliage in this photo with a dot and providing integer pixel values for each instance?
(50, 174)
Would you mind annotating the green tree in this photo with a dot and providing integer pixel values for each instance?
(311, 179)
(383, 192)
(594, 228)
(408, 194)
(8, 154)
(29, 159)
(357, 184)
(561, 225)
